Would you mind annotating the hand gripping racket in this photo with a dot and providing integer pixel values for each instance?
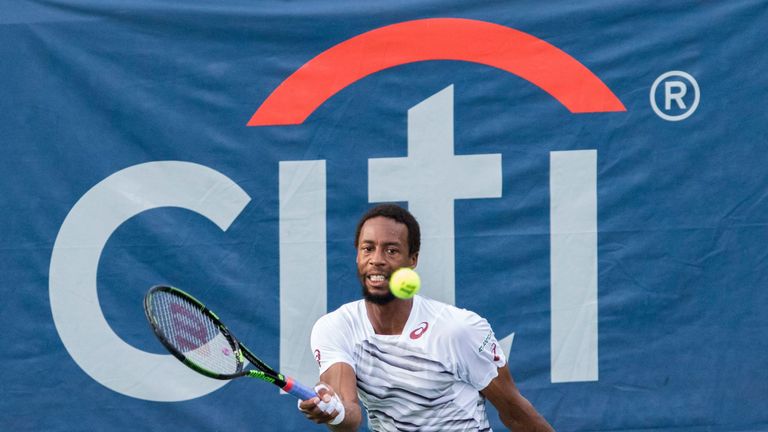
(196, 336)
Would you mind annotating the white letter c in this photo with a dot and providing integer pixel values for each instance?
(76, 310)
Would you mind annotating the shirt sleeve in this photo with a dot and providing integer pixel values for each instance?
(330, 342)
(477, 353)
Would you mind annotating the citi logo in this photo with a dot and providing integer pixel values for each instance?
(420, 330)
(430, 178)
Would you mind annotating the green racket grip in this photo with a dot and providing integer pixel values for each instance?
(290, 386)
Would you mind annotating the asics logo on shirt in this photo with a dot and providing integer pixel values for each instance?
(493, 350)
(420, 330)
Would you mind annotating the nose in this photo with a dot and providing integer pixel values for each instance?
(377, 258)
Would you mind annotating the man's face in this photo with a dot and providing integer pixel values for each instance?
(382, 248)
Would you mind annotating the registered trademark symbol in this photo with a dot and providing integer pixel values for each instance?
(677, 98)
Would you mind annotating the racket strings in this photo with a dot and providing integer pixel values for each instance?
(193, 333)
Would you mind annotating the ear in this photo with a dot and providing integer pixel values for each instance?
(414, 259)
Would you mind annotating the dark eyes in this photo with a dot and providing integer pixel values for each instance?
(389, 251)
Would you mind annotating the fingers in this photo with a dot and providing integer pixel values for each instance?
(330, 403)
(326, 407)
(328, 399)
(338, 410)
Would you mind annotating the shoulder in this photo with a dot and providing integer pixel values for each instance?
(450, 314)
(339, 328)
(454, 321)
(346, 315)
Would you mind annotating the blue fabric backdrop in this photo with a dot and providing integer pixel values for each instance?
(89, 89)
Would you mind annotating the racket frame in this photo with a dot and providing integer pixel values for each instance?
(262, 371)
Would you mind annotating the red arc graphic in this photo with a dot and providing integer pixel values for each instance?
(505, 48)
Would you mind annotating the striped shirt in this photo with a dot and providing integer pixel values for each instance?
(426, 379)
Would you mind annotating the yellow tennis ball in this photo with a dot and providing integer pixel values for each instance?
(404, 283)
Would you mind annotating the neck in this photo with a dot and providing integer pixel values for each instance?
(389, 319)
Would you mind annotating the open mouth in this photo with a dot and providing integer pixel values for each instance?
(377, 280)
(376, 288)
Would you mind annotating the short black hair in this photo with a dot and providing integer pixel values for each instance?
(397, 214)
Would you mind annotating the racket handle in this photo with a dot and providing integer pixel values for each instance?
(298, 389)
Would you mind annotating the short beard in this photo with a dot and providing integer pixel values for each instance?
(376, 299)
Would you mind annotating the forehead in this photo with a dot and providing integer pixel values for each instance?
(383, 229)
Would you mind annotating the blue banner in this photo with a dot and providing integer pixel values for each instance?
(590, 177)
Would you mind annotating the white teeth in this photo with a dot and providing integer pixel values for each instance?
(377, 278)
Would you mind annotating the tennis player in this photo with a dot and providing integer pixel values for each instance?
(416, 364)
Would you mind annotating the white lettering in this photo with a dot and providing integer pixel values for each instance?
(75, 258)
(573, 249)
(430, 179)
(677, 96)
(303, 264)
(675, 89)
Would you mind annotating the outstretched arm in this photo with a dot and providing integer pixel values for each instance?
(339, 380)
(515, 411)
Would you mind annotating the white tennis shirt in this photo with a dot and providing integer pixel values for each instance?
(426, 379)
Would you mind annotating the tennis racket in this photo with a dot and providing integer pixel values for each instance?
(196, 336)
